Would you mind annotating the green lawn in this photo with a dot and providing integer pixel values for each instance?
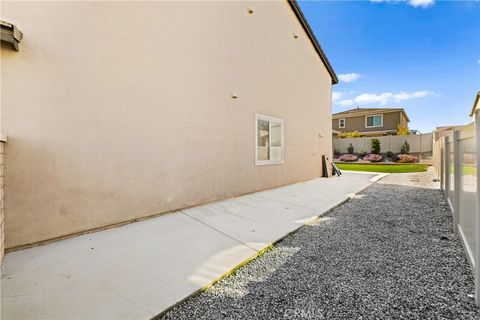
(468, 170)
(387, 168)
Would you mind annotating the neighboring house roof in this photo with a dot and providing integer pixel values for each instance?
(447, 128)
(357, 112)
(303, 21)
(477, 99)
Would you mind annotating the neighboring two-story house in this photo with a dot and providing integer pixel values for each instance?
(370, 121)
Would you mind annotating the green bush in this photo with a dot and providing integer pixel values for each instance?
(362, 154)
(375, 146)
(336, 152)
(405, 148)
(390, 154)
(350, 148)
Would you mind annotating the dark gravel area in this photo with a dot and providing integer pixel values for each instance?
(390, 253)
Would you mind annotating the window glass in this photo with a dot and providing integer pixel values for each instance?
(276, 129)
(369, 121)
(374, 121)
(269, 140)
(263, 149)
(341, 123)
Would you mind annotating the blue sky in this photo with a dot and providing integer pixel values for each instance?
(423, 55)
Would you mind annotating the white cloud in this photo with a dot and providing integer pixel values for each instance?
(346, 103)
(421, 3)
(349, 77)
(407, 96)
(336, 96)
(386, 97)
(368, 98)
(413, 3)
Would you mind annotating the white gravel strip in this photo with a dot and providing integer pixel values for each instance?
(389, 253)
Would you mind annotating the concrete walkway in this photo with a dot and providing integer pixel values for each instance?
(138, 270)
(414, 179)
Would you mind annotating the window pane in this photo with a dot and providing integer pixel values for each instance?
(276, 154)
(377, 120)
(369, 121)
(276, 132)
(263, 150)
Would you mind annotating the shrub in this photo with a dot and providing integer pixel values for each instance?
(373, 157)
(336, 152)
(406, 158)
(348, 157)
(350, 148)
(362, 154)
(375, 146)
(390, 154)
(405, 148)
(353, 134)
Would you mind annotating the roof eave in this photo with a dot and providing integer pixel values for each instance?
(405, 114)
(306, 27)
(477, 98)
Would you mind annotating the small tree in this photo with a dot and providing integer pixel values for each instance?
(405, 148)
(402, 130)
(350, 148)
(375, 146)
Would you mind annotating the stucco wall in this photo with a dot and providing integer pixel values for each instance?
(121, 110)
(390, 122)
(2, 215)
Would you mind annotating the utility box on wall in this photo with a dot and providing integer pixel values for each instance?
(11, 34)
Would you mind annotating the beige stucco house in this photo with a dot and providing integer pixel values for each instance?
(118, 111)
(370, 121)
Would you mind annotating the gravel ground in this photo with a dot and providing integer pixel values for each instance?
(390, 253)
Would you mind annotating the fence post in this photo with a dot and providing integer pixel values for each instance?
(447, 167)
(441, 150)
(421, 136)
(476, 254)
(457, 174)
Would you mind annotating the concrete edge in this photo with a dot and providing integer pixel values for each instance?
(270, 246)
(467, 249)
(214, 281)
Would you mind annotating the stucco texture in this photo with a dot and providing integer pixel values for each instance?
(120, 110)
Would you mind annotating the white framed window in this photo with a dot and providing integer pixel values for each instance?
(269, 140)
(374, 121)
(341, 123)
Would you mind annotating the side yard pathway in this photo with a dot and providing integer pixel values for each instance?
(389, 253)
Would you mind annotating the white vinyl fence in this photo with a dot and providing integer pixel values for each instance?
(419, 143)
(456, 162)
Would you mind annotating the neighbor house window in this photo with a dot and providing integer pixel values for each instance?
(374, 121)
(341, 123)
(269, 139)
